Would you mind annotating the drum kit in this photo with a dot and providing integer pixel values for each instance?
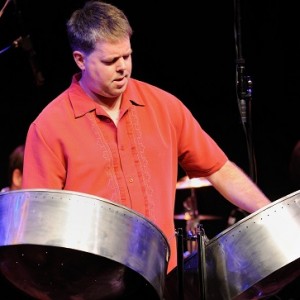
(191, 285)
(191, 212)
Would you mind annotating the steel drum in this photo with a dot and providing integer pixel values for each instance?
(58, 245)
(258, 256)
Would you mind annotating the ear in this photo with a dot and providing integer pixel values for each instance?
(17, 179)
(79, 59)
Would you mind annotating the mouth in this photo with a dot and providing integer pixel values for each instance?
(121, 81)
(120, 78)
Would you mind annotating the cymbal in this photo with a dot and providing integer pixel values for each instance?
(186, 216)
(189, 183)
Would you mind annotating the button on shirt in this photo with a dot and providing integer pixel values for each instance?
(73, 145)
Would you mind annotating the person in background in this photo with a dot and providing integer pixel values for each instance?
(121, 139)
(15, 175)
(15, 169)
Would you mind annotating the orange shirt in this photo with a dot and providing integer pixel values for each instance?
(73, 145)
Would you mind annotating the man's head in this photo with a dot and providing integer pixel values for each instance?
(96, 22)
(99, 35)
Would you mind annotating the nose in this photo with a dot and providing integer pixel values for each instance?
(121, 64)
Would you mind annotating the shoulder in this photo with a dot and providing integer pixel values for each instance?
(54, 108)
(158, 102)
(62, 106)
(149, 93)
(138, 84)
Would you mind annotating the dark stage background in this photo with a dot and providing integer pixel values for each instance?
(187, 48)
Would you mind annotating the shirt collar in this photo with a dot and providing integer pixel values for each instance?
(83, 104)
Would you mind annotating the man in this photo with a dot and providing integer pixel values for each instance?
(115, 137)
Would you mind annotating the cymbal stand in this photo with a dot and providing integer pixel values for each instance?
(191, 206)
(180, 264)
(201, 261)
(200, 238)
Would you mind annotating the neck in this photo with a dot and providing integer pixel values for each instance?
(110, 105)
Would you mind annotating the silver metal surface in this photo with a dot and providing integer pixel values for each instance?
(257, 256)
(64, 245)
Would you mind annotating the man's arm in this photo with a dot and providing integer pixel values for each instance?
(233, 184)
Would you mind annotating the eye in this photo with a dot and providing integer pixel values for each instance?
(110, 62)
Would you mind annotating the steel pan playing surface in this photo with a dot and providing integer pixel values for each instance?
(64, 245)
(257, 256)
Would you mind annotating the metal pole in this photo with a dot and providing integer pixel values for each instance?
(180, 264)
(201, 261)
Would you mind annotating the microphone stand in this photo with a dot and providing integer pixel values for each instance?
(244, 92)
(24, 42)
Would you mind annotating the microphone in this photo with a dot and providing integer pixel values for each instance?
(25, 43)
(242, 92)
(4, 7)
